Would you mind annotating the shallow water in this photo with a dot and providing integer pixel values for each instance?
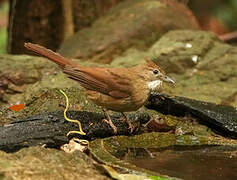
(212, 163)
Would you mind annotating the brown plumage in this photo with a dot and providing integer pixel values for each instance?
(117, 89)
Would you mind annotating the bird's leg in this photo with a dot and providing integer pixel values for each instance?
(130, 126)
(109, 121)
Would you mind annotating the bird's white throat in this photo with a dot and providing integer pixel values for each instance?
(153, 85)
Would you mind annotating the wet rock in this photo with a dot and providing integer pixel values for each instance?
(137, 23)
(220, 118)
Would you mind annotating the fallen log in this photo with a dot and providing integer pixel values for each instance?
(50, 129)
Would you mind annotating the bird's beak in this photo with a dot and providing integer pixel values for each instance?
(168, 79)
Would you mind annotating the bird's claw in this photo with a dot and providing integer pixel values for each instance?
(111, 125)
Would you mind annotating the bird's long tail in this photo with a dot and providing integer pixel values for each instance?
(55, 57)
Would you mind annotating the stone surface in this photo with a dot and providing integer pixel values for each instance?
(178, 51)
(42, 163)
(137, 23)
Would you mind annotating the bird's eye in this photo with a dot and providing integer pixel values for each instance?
(155, 71)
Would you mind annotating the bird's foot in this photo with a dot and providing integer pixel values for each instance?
(108, 121)
(130, 126)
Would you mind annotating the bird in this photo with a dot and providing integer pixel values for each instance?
(117, 89)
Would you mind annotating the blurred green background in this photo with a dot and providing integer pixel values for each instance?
(227, 12)
(3, 27)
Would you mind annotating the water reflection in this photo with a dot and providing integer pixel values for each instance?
(212, 163)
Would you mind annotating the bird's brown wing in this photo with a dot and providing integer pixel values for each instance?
(110, 81)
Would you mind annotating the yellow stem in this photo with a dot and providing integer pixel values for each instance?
(71, 120)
